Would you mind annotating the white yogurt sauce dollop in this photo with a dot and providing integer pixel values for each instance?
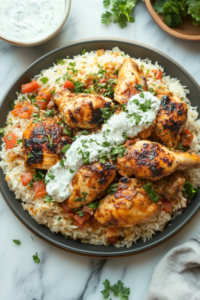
(111, 135)
(29, 20)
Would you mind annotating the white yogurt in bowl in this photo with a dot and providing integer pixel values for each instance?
(31, 22)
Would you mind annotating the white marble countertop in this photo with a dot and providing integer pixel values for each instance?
(61, 275)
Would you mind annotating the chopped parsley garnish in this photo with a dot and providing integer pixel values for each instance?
(66, 131)
(136, 117)
(49, 113)
(107, 112)
(80, 213)
(83, 132)
(145, 106)
(65, 148)
(85, 156)
(150, 192)
(105, 144)
(112, 188)
(44, 80)
(48, 199)
(9, 137)
(159, 130)
(139, 87)
(116, 72)
(81, 199)
(50, 175)
(136, 101)
(151, 90)
(12, 104)
(84, 50)
(123, 106)
(60, 61)
(117, 151)
(118, 290)
(59, 218)
(106, 132)
(36, 258)
(141, 95)
(19, 141)
(71, 171)
(50, 140)
(30, 155)
(2, 131)
(94, 205)
(180, 146)
(17, 242)
(65, 236)
(74, 71)
(189, 190)
(53, 92)
(103, 157)
(62, 163)
(124, 135)
(58, 79)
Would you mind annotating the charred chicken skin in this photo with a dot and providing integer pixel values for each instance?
(170, 120)
(82, 110)
(89, 182)
(129, 81)
(128, 206)
(152, 161)
(43, 143)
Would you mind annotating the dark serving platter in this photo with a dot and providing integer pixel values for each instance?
(134, 50)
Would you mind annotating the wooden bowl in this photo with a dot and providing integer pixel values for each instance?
(186, 31)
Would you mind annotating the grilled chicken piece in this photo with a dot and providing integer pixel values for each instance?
(89, 182)
(129, 76)
(43, 143)
(82, 110)
(169, 187)
(153, 161)
(129, 205)
(170, 120)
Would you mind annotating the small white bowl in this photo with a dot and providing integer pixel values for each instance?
(44, 38)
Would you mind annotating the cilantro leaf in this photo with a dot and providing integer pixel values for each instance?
(60, 61)
(150, 192)
(81, 199)
(105, 292)
(106, 3)
(17, 242)
(106, 18)
(194, 10)
(36, 258)
(158, 6)
(112, 188)
(48, 199)
(189, 190)
(44, 80)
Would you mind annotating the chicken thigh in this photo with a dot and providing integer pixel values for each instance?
(89, 182)
(152, 161)
(128, 206)
(129, 82)
(43, 143)
(82, 110)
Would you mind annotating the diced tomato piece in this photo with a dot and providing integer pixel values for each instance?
(158, 74)
(23, 110)
(102, 80)
(167, 205)
(80, 226)
(43, 98)
(186, 138)
(111, 232)
(39, 188)
(112, 239)
(66, 208)
(68, 84)
(10, 139)
(94, 223)
(30, 87)
(82, 219)
(26, 178)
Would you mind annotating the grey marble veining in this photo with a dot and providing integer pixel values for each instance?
(61, 275)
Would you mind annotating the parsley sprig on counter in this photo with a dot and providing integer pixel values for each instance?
(118, 290)
(175, 11)
(121, 12)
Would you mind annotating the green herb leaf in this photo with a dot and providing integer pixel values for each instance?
(84, 50)
(65, 236)
(48, 199)
(59, 218)
(53, 92)
(180, 146)
(151, 90)
(81, 199)
(106, 3)
(94, 205)
(107, 112)
(105, 292)
(112, 188)
(50, 175)
(17, 242)
(189, 190)
(49, 113)
(150, 192)
(58, 79)
(30, 155)
(12, 104)
(80, 213)
(44, 80)
(36, 258)
(60, 61)
(2, 131)
(71, 171)
(65, 148)
(124, 135)
(139, 87)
